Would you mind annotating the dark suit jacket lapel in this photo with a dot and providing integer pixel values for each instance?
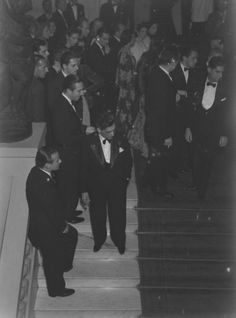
(96, 148)
(114, 152)
(71, 108)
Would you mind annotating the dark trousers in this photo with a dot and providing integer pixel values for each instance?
(68, 182)
(111, 202)
(56, 258)
(202, 163)
(156, 174)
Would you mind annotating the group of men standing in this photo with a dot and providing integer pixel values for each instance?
(185, 106)
(95, 166)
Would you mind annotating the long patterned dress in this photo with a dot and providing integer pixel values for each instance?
(126, 82)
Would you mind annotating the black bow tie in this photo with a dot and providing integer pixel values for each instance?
(106, 140)
(186, 69)
(211, 84)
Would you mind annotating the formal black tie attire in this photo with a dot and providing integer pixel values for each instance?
(184, 79)
(68, 132)
(106, 169)
(47, 229)
(159, 125)
(208, 122)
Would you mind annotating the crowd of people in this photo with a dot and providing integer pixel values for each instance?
(103, 88)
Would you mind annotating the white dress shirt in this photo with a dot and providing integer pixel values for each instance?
(208, 96)
(106, 148)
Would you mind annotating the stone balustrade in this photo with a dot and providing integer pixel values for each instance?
(18, 257)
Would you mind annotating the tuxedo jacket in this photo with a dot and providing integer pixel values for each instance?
(67, 128)
(54, 89)
(61, 29)
(69, 15)
(109, 16)
(179, 81)
(208, 125)
(99, 62)
(115, 46)
(160, 108)
(46, 221)
(95, 173)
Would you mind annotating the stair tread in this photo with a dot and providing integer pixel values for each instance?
(91, 299)
(88, 314)
(102, 268)
(97, 282)
(85, 241)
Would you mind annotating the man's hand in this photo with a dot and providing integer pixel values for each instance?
(168, 142)
(89, 130)
(223, 141)
(85, 200)
(182, 93)
(188, 135)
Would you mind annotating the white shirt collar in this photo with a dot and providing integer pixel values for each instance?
(47, 172)
(164, 70)
(69, 101)
(63, 73)
(100, 47)
(183, 67)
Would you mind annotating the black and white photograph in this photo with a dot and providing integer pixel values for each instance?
(117, 159)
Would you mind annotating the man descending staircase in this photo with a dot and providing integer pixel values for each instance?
(105, 282)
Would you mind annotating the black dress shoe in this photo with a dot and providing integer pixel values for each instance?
(121, 249)
(75, 219)
(96, 248)
(64, 293)
(78, 212)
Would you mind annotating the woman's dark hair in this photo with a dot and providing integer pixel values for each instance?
(44, 155)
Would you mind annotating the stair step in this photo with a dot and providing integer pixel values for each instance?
(88, 314)
(131, 218)
(100, 273)
(105, 254)
(96, 282)
(91, 299)
(85, 241)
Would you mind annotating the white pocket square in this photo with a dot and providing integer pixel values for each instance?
(223, 99)
(121, 150)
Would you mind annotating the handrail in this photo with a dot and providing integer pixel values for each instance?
(17, 261)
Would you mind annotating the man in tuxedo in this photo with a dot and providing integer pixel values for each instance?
(207, 125)
(106, 168)
(99, 59)
(116, 45)
(185, 78)
(60, 22)
(74, 13)
(160, 120)
(48, 231)
(68, 131)
(69, 65)
(112, 12)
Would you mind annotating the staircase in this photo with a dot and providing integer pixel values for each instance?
(104, 282)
